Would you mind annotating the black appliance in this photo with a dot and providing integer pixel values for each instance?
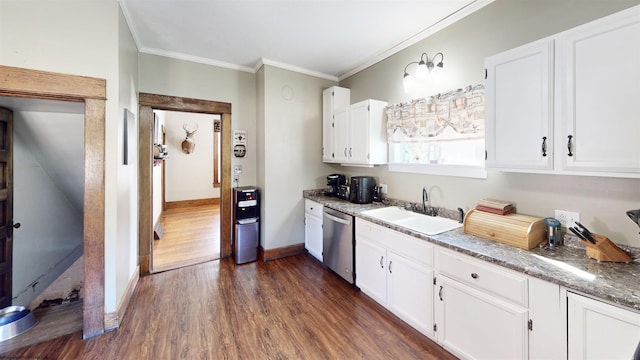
(377, 194)
(246, 221)
(333, 184)
(344, 192)
(361, 189)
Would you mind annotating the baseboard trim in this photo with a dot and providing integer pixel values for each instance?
(282, 252)
(191, 203)
(112, 320)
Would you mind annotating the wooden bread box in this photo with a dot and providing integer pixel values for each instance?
(523, 231)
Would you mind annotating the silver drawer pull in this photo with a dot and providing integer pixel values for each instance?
(381, 258)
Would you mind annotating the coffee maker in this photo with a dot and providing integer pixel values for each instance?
(333, 183)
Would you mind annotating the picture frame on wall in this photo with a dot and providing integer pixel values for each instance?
(129, 120)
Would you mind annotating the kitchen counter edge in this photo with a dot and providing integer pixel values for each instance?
(567, 266)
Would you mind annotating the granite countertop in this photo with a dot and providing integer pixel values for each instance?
(566, 265)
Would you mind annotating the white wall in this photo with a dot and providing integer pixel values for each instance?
(50, 238)
(292, 136)
(125, 262)
(189, 176)
(83, 38)
(502, 25)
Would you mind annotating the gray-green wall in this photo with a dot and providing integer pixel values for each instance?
(502, 25)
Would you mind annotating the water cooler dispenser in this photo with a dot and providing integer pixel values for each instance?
(246, 224)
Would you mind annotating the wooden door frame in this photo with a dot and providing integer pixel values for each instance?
(36, 84)
(147, 103)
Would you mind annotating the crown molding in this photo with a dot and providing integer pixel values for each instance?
(447, 21)
(293, 68)
(196, 59)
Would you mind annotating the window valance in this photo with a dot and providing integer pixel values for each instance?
(454, 115)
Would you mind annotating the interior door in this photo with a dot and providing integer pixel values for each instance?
(6, 206)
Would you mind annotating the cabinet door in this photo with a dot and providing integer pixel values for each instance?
(327, 126)
(410, 292)
(474, 325)
(601, 331)
(371, 276)
(313, 235)
(598, 89)
(519, 108)
(341, 136)
(548, 314)
(359, 133)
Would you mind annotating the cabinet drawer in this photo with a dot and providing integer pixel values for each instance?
(312, 208)
(401, 244)
(484, 276)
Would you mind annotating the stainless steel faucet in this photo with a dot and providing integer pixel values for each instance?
(426, 208)
(425, 198)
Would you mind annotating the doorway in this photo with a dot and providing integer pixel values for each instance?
(36, 84)
(148, 103)
(186, 194)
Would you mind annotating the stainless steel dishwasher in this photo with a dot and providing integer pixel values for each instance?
(337, 243)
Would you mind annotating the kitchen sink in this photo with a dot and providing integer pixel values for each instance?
(428, 225)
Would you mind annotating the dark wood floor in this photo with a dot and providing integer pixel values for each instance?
(290, 308)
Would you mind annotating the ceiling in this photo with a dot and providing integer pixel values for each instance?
(326, 38)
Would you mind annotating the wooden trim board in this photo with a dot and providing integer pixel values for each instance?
(278, 253)
(36, 84)
(147, 103)
(191, 203)
(112, 320)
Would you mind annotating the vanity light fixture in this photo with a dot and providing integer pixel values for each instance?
(425, 66)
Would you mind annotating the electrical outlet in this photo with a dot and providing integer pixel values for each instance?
(567, 218)
(236, 178)
(383, 188)
(237, 169)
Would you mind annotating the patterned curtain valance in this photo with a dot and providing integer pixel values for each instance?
(457, 114)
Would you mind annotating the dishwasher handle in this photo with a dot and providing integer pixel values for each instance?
(337, 219)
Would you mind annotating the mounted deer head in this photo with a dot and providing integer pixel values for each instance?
(189, 144)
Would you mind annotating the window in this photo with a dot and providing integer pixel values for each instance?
(442, 135)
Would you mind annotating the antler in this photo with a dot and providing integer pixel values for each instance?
(189, 132)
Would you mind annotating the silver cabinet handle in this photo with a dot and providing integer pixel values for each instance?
(390, 262)
(474, 275)
(350, 152)
(440, 293)
(345, 152)
(381, 258)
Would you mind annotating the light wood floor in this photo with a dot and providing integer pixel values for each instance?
(291, 308)
(191, 236)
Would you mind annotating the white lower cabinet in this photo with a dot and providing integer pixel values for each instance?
(396, 271)
(410, 292)
(475, 325)
(313, 228)
(601, 331)
(481, 309)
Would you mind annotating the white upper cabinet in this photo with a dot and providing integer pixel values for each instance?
(367, 133)
(519, 108)
(598, 77)
(568, 104)
(352, 134)
(335, 101)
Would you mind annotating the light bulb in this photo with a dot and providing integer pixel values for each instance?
(407, 82)
(422, 72)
